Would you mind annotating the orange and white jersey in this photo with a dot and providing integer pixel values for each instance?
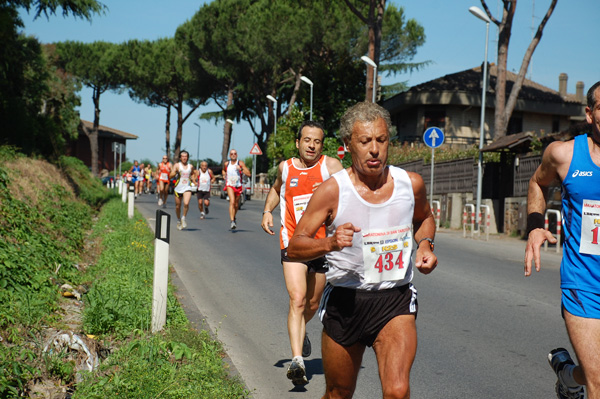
(163, 171)
(296, 190)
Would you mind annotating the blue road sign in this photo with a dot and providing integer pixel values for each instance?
(433, 137)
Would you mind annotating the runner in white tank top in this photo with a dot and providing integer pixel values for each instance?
(183, 188)
(369, 209)
(233, 170)
(205, 178)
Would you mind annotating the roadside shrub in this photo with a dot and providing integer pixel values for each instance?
(87, 187)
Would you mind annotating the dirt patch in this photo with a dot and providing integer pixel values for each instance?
(32, 178)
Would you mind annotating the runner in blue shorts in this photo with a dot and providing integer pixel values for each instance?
(576, 164)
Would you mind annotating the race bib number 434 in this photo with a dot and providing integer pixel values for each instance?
(590, 226)
(386, 253)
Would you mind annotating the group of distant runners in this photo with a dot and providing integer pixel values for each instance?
(188, 180)
(351, 240)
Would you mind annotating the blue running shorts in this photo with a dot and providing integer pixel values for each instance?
(581, 303)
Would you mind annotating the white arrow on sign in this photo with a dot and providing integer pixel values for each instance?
(433, 136)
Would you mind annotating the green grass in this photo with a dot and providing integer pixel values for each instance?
(46, 232)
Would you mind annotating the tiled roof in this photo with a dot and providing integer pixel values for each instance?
(469, 81)
(109, 131)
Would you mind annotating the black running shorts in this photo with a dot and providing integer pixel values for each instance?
(203, 194)
(352, 316)
(318, 265)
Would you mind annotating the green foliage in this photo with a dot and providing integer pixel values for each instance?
(41, 237)
(40, 241)
(87, 187)
(79, 8)
(180, 363)
(37, 102)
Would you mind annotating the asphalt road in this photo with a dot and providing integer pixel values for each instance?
(484, 329)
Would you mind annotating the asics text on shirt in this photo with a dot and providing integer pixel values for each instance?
(582, 173)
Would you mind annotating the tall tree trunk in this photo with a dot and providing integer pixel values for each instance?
(374, 21)
(505, 27)
(93, 135)
(168, 132)
(504, 108)
(179, 133)
(514, 93)
(227, 129)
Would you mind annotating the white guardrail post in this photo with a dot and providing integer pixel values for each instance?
(435, 205)
(471, 207)
(161, 270)
(130, 202)
(558, 227)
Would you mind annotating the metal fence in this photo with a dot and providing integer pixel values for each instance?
(523, 172)
(458, 176)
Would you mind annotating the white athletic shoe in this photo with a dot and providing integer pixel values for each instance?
(233, 226)
(201, 215)
(297, 372)
(179, 225)
(183, 223)
(160, 202)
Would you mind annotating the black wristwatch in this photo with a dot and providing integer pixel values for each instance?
(431, 243)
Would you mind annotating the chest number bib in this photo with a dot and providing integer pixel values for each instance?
(590, 227)
(386, 253)
(300, 203)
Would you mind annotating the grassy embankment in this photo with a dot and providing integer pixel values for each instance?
(76, 272)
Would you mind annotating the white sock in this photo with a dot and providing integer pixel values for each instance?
(298, 359)
(566, 375)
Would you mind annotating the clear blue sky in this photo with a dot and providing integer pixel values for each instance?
(455, 42)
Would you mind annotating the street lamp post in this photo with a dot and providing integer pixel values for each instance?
(481, 15)
(274, 101)
(374, 66)
(198, 148)
(307, 80)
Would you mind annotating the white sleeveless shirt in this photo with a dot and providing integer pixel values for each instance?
(184, 179)
(204, 181)
(234, 174)
(381, 253)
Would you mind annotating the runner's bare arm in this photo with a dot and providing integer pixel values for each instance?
(272, 201)
(245, 169)
(173, 171)
(212, 176)
(537, 194)
(224, 171)
(423, 225)
(321, 209)
(333, 166)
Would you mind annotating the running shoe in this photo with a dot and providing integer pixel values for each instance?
(306, 347)
(558, 359)
(179, 225)
(297, 372)
(160, 202)
(183, 223)
(206, 208)
(233, 226)
(201, 215)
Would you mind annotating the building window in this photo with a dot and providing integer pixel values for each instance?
(435, 119)
(515, 124)
(555, 124)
